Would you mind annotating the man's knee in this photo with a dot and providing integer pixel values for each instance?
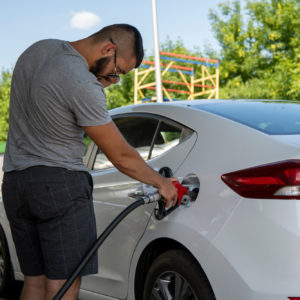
(35, 281)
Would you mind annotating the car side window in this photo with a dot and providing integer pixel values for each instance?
(138, 132)
(167, 137)
(150, 136)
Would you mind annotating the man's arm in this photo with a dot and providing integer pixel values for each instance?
(126, 159)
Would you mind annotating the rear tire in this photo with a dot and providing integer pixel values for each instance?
(176, 275)
(5, 265)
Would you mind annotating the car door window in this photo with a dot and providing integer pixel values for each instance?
(138, 132)
(150, 136)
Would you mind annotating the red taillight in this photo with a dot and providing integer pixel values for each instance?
(280, 180)
(294, 298)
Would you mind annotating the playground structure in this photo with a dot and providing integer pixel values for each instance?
(193, 83)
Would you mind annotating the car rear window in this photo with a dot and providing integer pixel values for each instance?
(276, 118)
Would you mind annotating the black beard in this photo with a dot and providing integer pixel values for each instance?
(99, 65)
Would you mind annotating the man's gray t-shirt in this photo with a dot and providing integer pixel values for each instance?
(53, 95)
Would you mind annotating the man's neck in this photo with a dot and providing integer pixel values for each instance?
(85, 48)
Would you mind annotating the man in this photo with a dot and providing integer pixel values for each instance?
(57, 95)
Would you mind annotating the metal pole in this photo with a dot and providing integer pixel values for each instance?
(159, 95)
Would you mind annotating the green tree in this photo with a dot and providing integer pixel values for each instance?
(122, 93)
(260, 49)
(5, 82)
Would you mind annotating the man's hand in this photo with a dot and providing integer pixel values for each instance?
(168, 191)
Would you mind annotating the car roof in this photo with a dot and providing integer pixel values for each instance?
(274, 117)
(193, 103)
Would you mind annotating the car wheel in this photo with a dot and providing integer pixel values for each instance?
(176, 275)
(5, 266)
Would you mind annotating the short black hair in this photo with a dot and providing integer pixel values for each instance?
(108, 31)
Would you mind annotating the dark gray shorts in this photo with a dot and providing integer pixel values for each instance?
(52, 219)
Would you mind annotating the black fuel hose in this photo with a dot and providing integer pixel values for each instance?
(97, 244)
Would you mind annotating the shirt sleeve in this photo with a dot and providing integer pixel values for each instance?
(88, 104)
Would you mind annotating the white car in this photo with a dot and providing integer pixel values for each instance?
(238, 239)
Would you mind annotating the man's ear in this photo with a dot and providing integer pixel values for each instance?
(108, 49)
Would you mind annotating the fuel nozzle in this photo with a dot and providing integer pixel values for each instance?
(181, 191)
(187, 192)
(150, 195)
(161, 211)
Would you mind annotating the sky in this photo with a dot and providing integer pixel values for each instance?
(24, 22)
